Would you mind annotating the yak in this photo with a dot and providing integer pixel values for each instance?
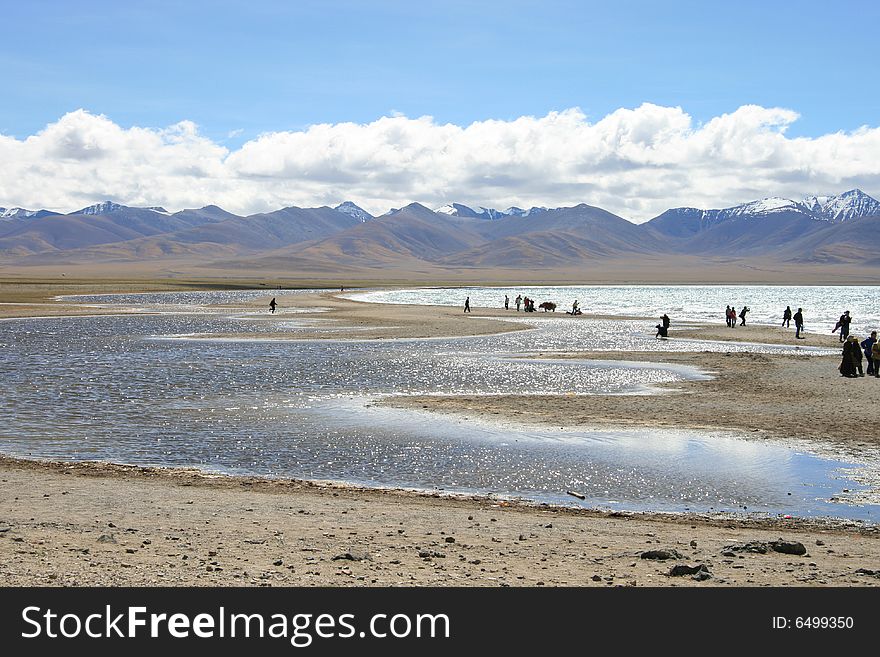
(547, 305)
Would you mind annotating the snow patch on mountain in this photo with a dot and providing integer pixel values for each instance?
(16, 213)
(490, 214)
(105, 207)
(853, 204)
(349, 208)
(850, 205)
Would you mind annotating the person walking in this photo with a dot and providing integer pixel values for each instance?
(786, 317)
(467, 305)
(742, 315)
(867, 346)
(843, 325)
(799, 324)
(506, 302)
(272, 305)
(518, 301)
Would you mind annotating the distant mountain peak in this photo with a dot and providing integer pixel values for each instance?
(491, 214)
(8, 214)
(349, 208)
(105, 207)
(108, 207)
(852, 204)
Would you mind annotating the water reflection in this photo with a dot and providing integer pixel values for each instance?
(116, 388)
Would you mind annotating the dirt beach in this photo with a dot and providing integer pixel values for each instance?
(105, 524)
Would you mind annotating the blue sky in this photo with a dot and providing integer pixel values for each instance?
(261, 65)
(632, 106)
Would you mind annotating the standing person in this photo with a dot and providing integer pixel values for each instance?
(518, 301)
(272, 305)
(665, 320)
(843, 325)
(856, 355)
(506, 302)
(727, 316)
(786, 317)
(799, 324)
(575, 310)
(733, 317)
(846, 361)
(467, 305)
(868, 347)
(875, 356)
(742, 315)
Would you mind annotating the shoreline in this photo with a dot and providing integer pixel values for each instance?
(88, 523)
(50, 532)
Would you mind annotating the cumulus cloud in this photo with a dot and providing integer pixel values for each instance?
(634, 162)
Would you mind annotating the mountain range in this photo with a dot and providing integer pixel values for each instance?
(818, 230)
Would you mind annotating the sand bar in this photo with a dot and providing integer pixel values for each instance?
(85, 524)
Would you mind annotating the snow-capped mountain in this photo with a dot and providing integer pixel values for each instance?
(100, 208)
(491, 214)
(108, 207)
(353, 210)
(853, 204)
(8, 214)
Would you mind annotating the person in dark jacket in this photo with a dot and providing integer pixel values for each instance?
(742, 315)
(867, 346)
(727, 316)
(272, 305)
(786, 317)
(846, 361)
(843, 325)
(856, 355)
(665, 321)
(799, 324)
(467, 305)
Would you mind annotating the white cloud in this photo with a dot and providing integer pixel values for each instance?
(634, 162)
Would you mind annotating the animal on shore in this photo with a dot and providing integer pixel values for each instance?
(547, 305)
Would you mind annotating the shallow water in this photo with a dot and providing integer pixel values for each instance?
(822, 304)
(123, 388)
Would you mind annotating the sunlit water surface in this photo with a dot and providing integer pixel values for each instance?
(822, 304)
(163, 389)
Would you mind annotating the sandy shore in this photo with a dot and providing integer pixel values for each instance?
(84, 524)
(99, 524)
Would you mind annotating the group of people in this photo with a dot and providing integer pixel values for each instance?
(853, 350)
(730, 315)
(528, 305)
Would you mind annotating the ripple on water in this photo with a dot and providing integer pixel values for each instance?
(103, 388)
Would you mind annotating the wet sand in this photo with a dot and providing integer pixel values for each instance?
(106, 525)
(102, 524)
